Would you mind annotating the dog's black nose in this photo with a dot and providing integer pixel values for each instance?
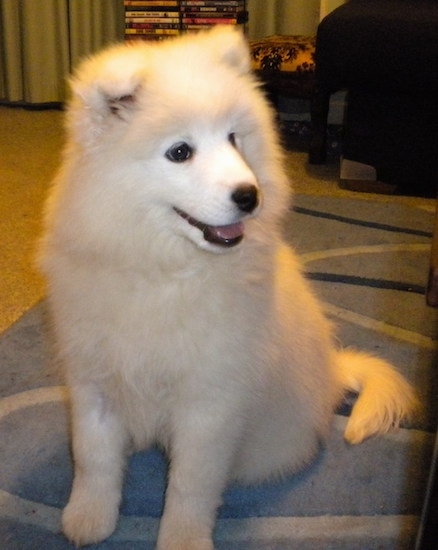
(246, 197)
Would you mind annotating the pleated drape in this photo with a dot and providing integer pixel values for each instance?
(94, 23)
(267, 17)
(41, 40)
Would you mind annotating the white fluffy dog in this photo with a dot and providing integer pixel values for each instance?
(181, 316)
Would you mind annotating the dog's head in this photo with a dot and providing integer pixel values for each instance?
(184, 130)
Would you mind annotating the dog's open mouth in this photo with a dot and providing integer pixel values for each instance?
(222, 235)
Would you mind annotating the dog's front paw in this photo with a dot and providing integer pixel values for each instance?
(176, 534)
(185, 543)
(87, 519)
(179, 533)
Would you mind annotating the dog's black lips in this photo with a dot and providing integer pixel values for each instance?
(222, 235)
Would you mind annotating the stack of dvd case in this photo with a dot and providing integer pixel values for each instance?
(157, 19)
(201, 14)
(152, 19)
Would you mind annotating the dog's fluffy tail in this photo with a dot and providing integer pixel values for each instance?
(385, 397)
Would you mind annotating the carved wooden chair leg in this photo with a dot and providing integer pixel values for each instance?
(432, 286)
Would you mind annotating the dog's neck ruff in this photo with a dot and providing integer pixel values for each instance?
(221, 235)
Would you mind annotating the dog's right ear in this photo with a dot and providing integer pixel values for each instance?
(231, 46)
(106, 86)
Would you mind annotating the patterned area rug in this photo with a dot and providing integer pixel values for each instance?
(369, 263)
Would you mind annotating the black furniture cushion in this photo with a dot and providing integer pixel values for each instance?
(380, 44)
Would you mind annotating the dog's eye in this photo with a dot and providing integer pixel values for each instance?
(179, 152)
(232, 139)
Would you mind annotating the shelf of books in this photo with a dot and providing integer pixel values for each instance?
(158, 19)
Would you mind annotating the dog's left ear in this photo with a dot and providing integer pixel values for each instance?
(105, 89)
(123, 105)
(108, 82)
(232, 47)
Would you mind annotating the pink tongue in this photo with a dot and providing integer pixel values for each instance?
(225, 235)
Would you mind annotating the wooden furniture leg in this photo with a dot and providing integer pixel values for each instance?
(432, 285)
(319, 108)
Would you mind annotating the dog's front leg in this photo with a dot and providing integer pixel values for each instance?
(200, 458)
(99, 446)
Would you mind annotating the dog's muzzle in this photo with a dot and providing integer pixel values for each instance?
(246, 198)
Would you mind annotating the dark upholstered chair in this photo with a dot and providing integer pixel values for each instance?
(385, 53)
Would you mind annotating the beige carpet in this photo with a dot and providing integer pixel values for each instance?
(30, 144)
(30, 147)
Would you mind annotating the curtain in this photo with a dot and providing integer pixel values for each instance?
(94, 23)
(329, 5)
(41, 40)
(267, 17)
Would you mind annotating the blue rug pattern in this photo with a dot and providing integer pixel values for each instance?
(369, 264)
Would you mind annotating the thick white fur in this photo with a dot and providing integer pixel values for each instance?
(220, 355)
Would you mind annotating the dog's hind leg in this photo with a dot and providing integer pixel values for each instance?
(99, 446)
(385, 397)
